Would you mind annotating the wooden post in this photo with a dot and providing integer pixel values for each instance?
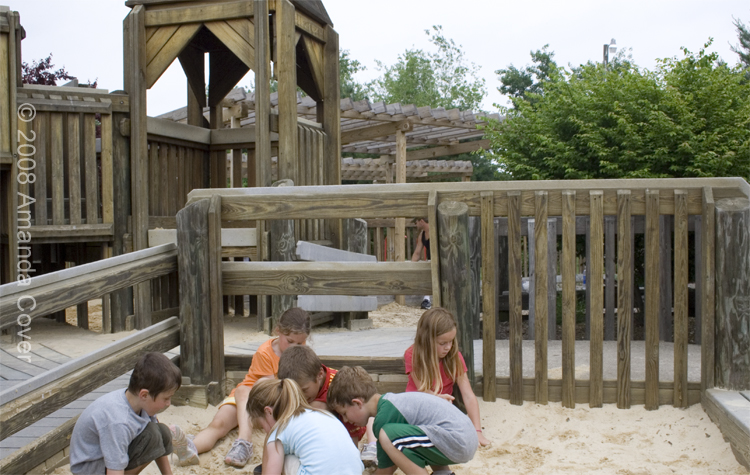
(434, 247)
(681, 251)
(456, 282)
(732, 294)
(489, 295)
(568, 298)
(282, 246)
(551, 294)
(398, 242)
(652, 299)
(515, 298)
(475, 259)
(287, 80)
(541, 327)
(201, 309)
(624, 298)
(595, 270)
(610, 229)
(708, 285)
(262, 96)
(665, 284)
(121, 301)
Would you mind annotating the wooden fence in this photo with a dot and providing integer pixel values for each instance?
(595, 199)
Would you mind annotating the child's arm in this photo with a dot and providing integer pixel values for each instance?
(418, 248)
(273, 457)
(472, 407)
(447, 397)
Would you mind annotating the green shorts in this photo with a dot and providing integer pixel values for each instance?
(415, 444)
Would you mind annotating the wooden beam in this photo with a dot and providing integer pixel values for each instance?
(225, 69)
(169, 52)
(708, 309)
(447, 150)
(175, 130)
(315, 52)
(372, 132)
(193, 64)
(34, 454)
(371, 364)
(238, 36)
(59, 290)
(81, 376)
(262, 96)
(624, 299)
(197, 14)
(541, 326)
(326, 278)
(287, 80)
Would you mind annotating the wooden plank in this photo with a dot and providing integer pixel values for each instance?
(236, 37)
(156, 41)
(74, 168)
(153, 172)
(652, 300)
(552, 276)
(262, 96)
(624, 299)
(286, 69)
(57, 172)
(731, 412)
(164, 196)
(708, 284)
(568, 299)
(434, 248)
(375, 131)
(42, 448)
(489, 256)
(176, 130)
(322, 278)
(198, 13)
(665, 277)
(171, 180)
(106, 159)
(314, 50)
(681, 252)
(169, 52)
(70, 106)
(610, 258)
(372, 364)
(514, 298)
(36, 404)
(214, 348)
(41, 127)
(307, 251)
(59, 290)
(331, 117)
(447, 150)
(540, 299)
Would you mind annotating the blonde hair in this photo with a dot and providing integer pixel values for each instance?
(425, 362)
(283, 396)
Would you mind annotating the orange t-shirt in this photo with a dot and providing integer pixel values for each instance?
(265, 363)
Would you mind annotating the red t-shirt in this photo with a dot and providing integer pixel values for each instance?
(447, 387)
(354, 431)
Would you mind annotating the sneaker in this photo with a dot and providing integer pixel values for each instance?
(426, 304)
(183, 447)
(369, 455)
(240, 453)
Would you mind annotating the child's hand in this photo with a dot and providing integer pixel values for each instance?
(447, 397)
(483, 441)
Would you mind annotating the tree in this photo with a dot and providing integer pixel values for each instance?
(40, 72)
(688, 118)
(743, 49)
(436, 79)
(348, 86)
(519, 83)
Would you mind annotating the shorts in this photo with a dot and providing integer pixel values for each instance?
(228, 400)
(153, 442)
(415, 444)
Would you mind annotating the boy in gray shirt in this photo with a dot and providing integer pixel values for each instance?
(413, 429)
(118, 432)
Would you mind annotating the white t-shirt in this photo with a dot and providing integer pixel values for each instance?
(322, 444)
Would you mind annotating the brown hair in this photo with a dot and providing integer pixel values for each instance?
(294, 320)
(155, 373)
(350, 383)
(425, 361)
(283, 396)
(299, 363)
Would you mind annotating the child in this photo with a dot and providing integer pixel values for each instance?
(434, 363)
(293, 329)
(300, 440)
(118, 432)
(303, 366)
(413, 429)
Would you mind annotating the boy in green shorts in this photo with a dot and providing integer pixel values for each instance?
(413, 429)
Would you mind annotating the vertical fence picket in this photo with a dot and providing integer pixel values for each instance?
(594, 281)
(624, 298)
(568, 298)
(652, 299)
(541, 390)
(680, 298)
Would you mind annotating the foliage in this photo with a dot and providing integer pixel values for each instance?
(688, 118)
(436, 79)
(743, 49)
(520, 83)
(40, 72)
(348, 86)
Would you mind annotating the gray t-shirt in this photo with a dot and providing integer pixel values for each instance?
(103, 433)
(449, 429)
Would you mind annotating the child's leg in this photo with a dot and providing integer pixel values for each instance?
(243, 418)
(224, 421)
(398, 458)
(410, 448)
(155, 441)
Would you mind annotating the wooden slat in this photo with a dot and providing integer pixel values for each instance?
(168, 53)
(374, 131)
(314, 51)
(652, 300)
(434, 248)
(74, 168)
(624, 299)
(58, 171)
(708, 284)
(540, 299)
(568, 299)
(171, 180)
(201, 13)
(488, 296)
(594, 272)
(153, 177)
(681, 252)
(514, 298)
(108, 212)
(156, 41)
(41, 127)
(62, 289)
(326, 278)
(610, 269)
(236, 36)
(163, 157)
(262, 97)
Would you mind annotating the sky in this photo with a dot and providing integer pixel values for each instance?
(85, 36)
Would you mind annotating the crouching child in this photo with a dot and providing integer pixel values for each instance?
(413, 429)
(118, 433)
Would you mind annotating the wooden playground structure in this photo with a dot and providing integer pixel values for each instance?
(99, 200)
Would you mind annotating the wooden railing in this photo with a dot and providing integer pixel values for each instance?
(595, 199)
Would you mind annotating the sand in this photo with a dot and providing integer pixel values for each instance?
(528, 439)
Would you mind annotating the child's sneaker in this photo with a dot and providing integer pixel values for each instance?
(369, 455)
(183, 447)
(426, 304)
(240, 453)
